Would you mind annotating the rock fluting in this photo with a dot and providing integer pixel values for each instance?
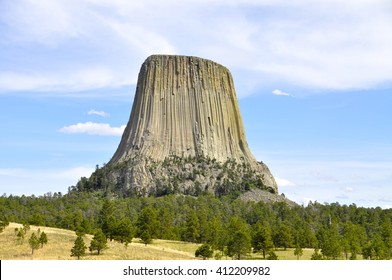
(185, 112)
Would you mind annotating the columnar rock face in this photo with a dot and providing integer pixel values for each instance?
(184, 107)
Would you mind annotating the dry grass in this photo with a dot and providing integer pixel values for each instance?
(289, 254)
(61, 241)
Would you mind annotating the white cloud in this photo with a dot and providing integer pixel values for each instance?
(279, 92)
(10, 81)
(309, 177)
(91, 128)
(283, 182)
(313, 44)
(83, 78)
(139, 37)
(98, 113)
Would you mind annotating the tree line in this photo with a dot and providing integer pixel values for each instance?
(227, 226)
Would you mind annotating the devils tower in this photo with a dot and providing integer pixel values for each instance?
(185, 133)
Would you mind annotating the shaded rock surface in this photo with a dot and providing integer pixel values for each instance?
(258, 195)
(185, 112)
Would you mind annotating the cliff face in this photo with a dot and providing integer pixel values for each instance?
(184, 107)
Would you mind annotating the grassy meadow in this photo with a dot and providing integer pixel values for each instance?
(60, 242)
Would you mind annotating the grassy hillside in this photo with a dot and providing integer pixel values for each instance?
(61, 241)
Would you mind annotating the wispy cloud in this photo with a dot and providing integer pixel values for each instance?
(79, 79)
(98, 113)
(284, 182)
(310, 179)
(91, 128)
(328, 45)
(280, 92)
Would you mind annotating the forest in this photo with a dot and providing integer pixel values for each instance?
(224, 225)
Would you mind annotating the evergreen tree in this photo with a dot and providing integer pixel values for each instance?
(204, 251)
(99, 242)
(192, 232)
(3, 223)
(166, 224)
(79, 248)
(43, 239)
(123, 231)
(298, 251)
(353, 239)
(239, 245)
(316, 255)
(84, 227)
(36, 219)
(216, 235)
(147, 225)
(283, 237)
(106, 218)
(20, 234)
(33, 242)
(376, 249)
(203, 224)
(386, 235)
(26, 227)
(262, 240)
(330, 244)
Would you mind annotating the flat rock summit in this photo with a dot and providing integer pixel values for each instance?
(185, 133)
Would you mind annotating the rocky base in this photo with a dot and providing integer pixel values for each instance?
(258, 195)
(189, 176)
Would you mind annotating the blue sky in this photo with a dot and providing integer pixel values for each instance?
(313, 78)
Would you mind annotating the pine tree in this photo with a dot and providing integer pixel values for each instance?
(239, 245)
(166, 227)
(33, 242)
(99, 242)
(147, 225)
(262, 239)
(298, 251)
(316, 255)
(106, 218)
(204, 251)
(283, 236)
(79, 248)
(43, 239)
(353, 238)
(331, 246)
(26, 227)
(216, 235)
(3, 224)
(20, 234)
(123, 231)
(192, 232)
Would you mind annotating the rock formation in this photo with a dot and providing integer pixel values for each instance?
(185, 128)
